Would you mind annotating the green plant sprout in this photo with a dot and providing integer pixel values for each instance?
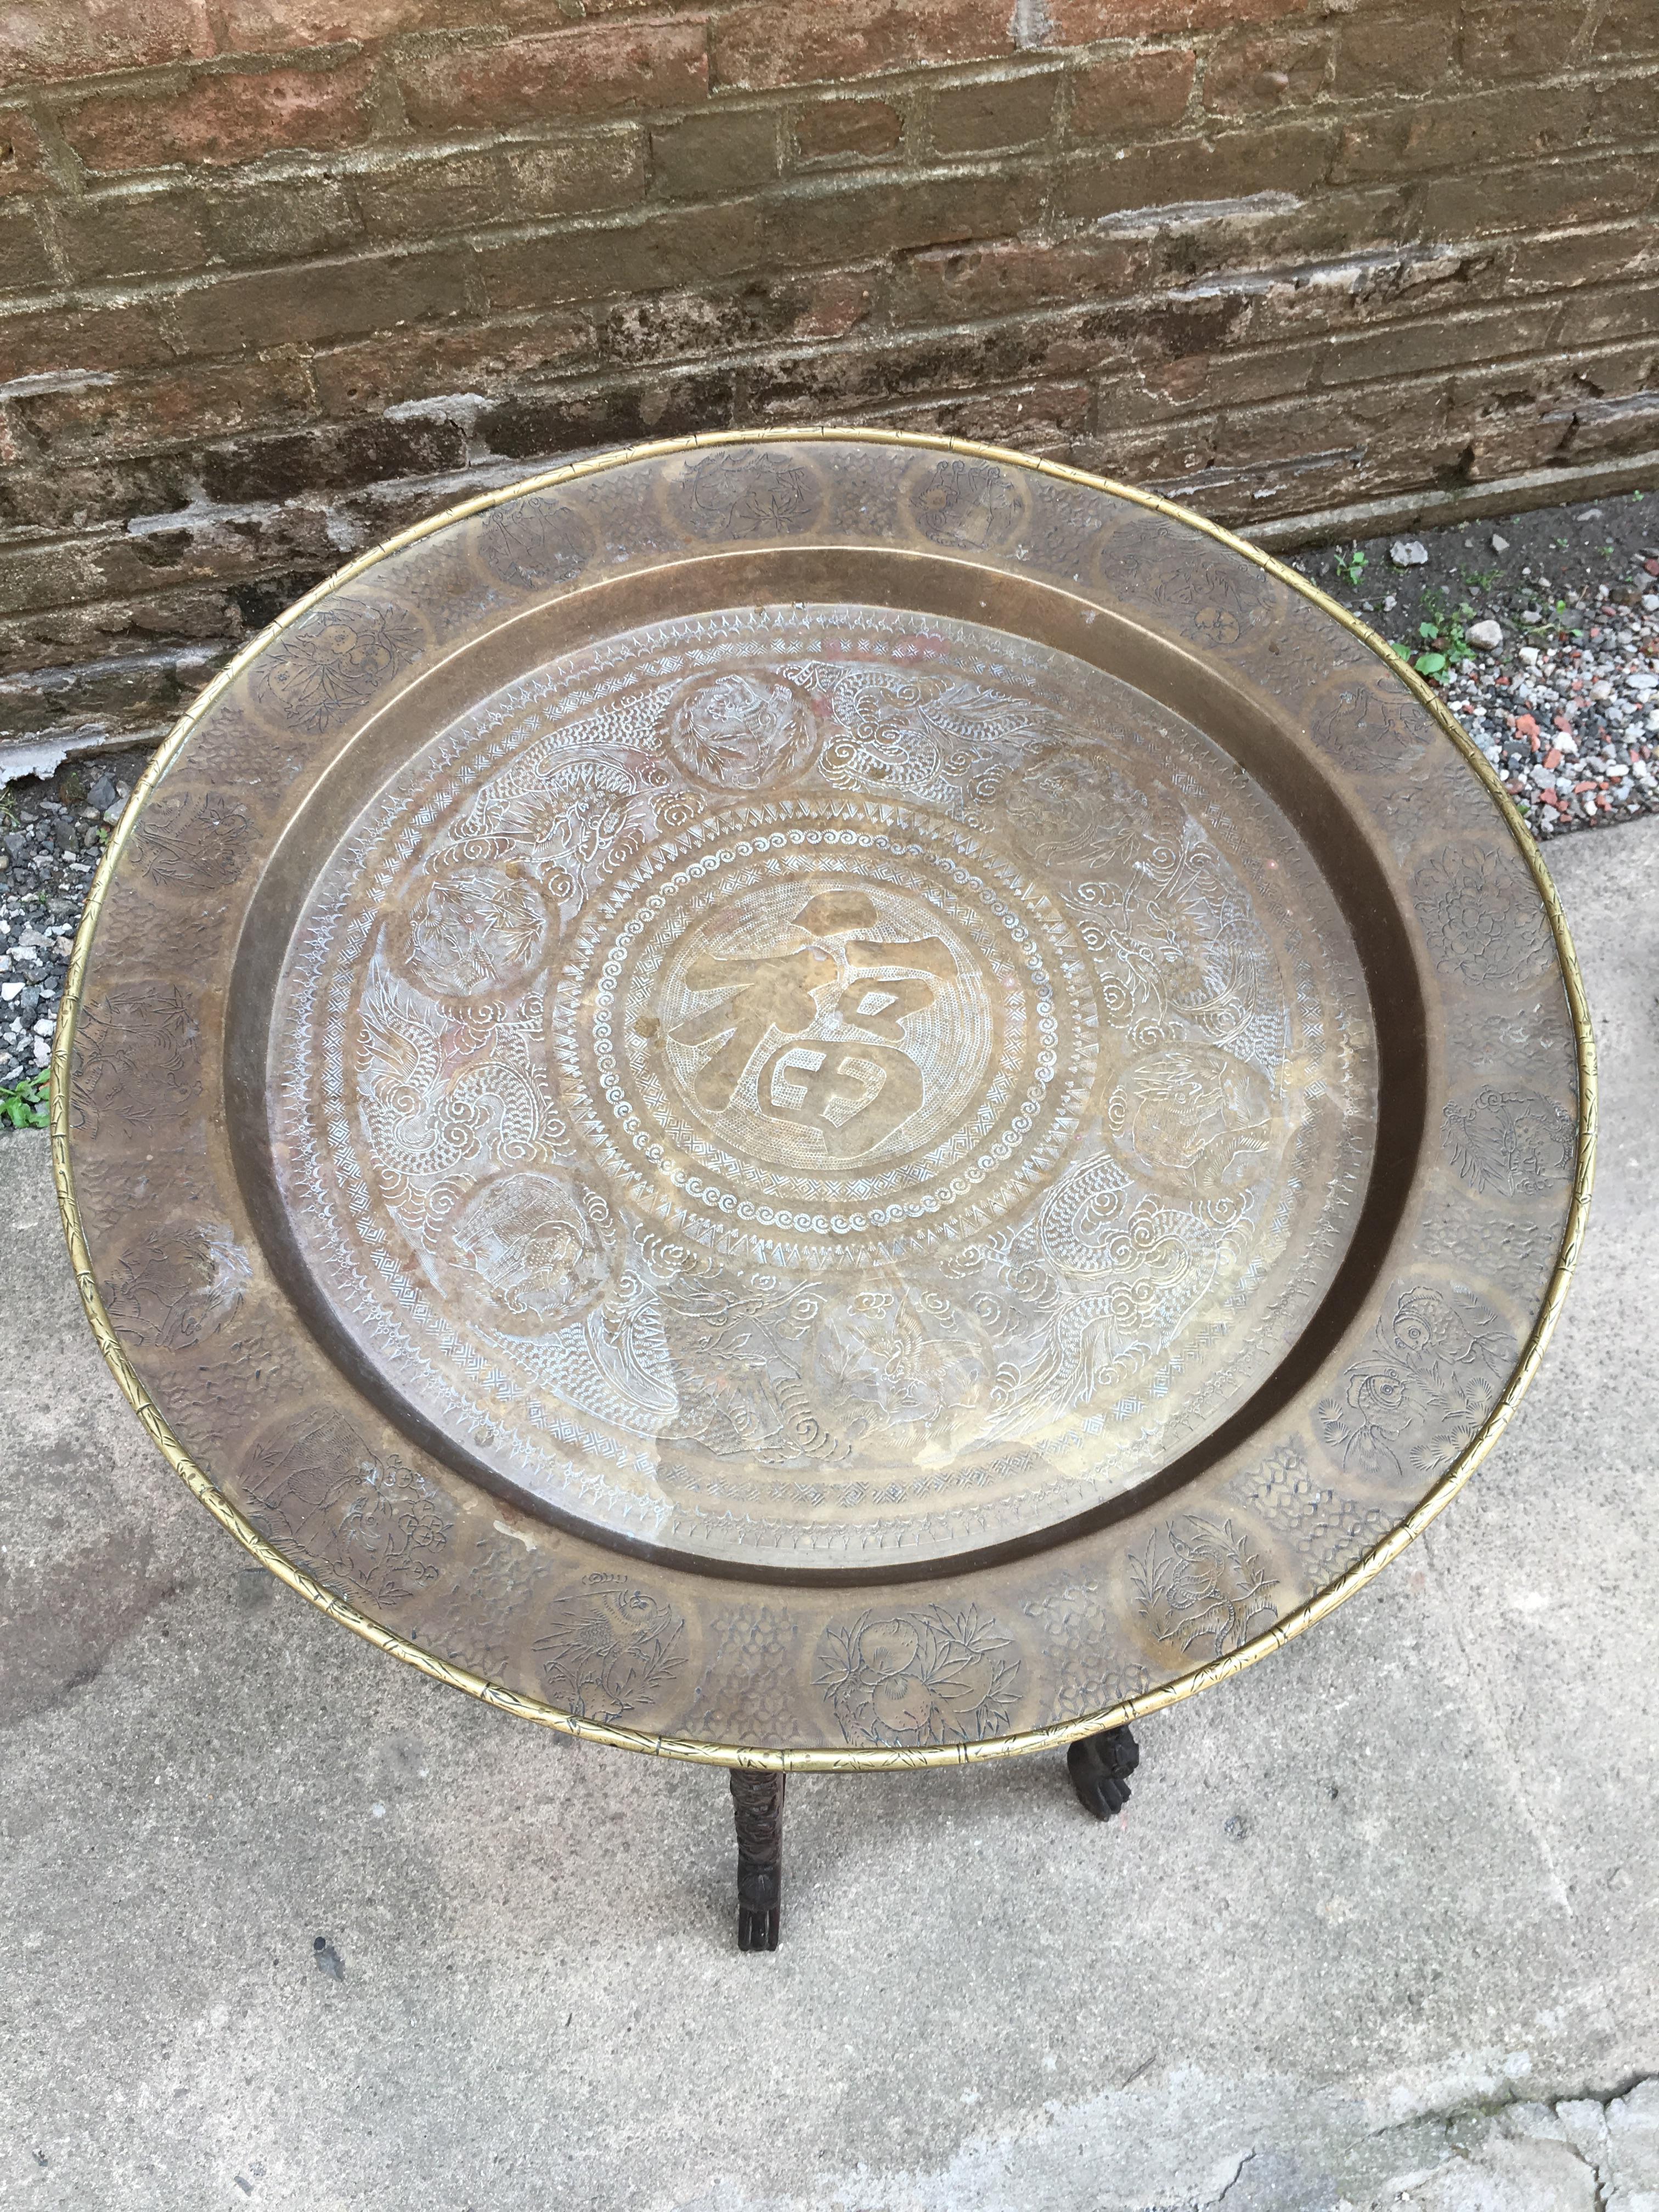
(1445, 642)
(23, 1104)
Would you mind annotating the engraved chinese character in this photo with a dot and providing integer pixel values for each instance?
(832, 1011)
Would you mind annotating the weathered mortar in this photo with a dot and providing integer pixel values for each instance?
(283, 276)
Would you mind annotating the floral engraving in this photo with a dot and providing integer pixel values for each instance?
(1412, 1404)
(1215, 597)
(330, 663)
(760, 492)
(1369, 730)
(1328, 1531)
(1517, 1143)
(925, 1677)
(177, 1286)
(528, 1250)
(610, 1650)
(133, 1063)
(1201, 1585)
(201, 839)
(535, 541)
(1482, 921)
(968, 503)
(737, 732)
(475, 930)
(350, 1514)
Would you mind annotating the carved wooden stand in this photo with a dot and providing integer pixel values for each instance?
(757, 1802)
(1100, 1767)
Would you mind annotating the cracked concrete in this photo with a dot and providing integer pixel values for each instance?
(285, 1924)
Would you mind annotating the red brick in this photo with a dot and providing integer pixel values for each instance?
(121, 235)
(600, 167)
(672, 247)
(1408, 53)
(1625, 108)
(35, 341)
(369, 374)
(590, 68)
(1626, 311)
(1532, 195)
(831, 129)
(1010, 111)
(224, 117)
(1565, 259)
(1254, 76)
(1403, 350)
(1288, 157)
(546, 424)
(1630, 26)
(713, 154)
(1128, 94)
(25, 265)
(331, 457)
(22, 166)
(864, 218)
(963, 284)
(423, 199)
(1077, 23)
(773, 43)
(802, 386)
(1046, 419)
(304, 305)
(1452, 134)
(1521, 37)
(299, 219)
(131, 413)
(57, 39)
(836, 305)
(275, 26)
(759, 310)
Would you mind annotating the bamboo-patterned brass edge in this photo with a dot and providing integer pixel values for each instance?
(853, 1757)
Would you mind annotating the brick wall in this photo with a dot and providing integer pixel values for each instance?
(283, 276)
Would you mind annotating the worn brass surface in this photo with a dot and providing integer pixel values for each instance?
(821, 1101)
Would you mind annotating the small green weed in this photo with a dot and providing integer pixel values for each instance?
(1444, 642)
(23, 1103)
(1351, 566)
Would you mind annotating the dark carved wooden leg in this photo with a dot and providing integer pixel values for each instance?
(757, 1801)
(1100, 1766)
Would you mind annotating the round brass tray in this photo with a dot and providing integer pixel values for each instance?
(826, 1100)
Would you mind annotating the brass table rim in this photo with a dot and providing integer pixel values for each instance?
(851, 1756)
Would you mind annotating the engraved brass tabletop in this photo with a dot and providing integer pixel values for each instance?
(821, 1101)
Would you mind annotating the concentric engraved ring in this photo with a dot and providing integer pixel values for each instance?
(825, 1031)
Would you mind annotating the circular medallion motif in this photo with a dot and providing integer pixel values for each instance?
(824, 1022)
(474, 930)
(740, 732)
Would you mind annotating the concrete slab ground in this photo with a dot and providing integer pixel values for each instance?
(1381, 1927)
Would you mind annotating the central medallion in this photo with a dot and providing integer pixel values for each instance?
(825, 1032)
(816, 1086)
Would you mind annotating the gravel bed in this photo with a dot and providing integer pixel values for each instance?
(52, 835)
(1540, 632)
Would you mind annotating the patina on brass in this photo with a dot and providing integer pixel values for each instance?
(822, 1101)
